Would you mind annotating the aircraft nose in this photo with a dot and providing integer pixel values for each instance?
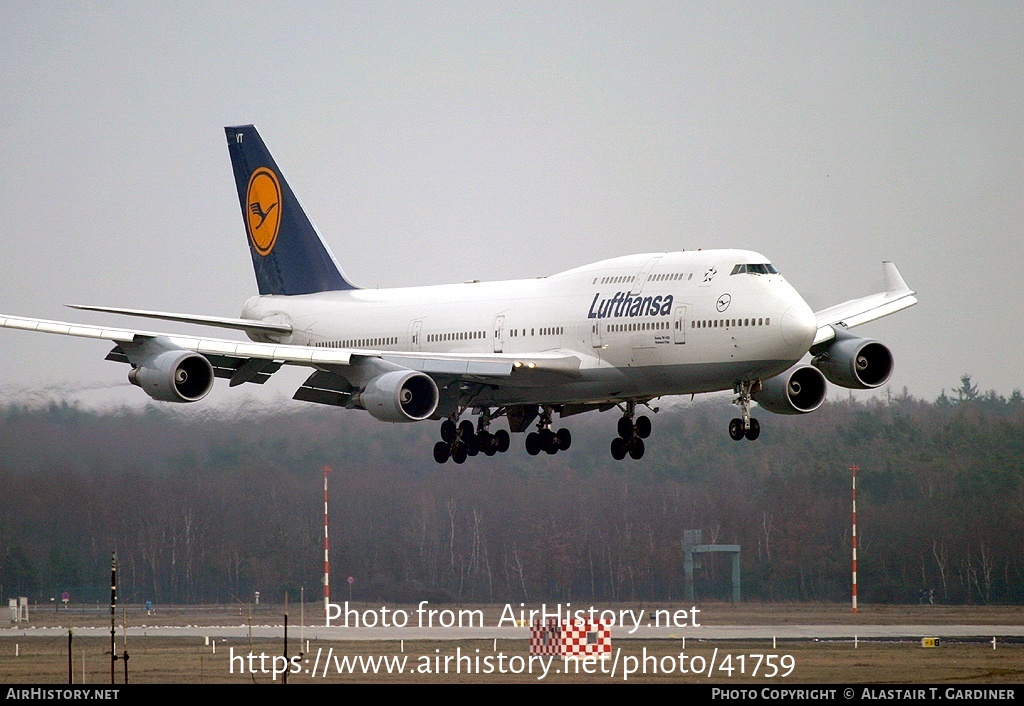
(799, 326)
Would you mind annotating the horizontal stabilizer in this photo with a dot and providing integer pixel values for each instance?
(217, 321)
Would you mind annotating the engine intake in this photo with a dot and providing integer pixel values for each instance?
(174, 376)
(799, 390)
(856, 363)
(400, 396)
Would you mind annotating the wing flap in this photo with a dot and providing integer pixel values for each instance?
(249, 370)
(453, 367)
(323, 387)
(328, 397)
(485, 365)
(117, 355)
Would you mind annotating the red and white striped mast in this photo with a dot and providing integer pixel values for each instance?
(854, 470)
(327, 563)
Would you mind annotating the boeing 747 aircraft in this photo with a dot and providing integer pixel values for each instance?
(618, 333)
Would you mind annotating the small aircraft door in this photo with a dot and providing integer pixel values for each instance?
(417, 333)
(679, 326)
(499, 334)
(595, 333)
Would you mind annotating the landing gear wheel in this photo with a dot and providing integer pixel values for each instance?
(485, 441)
(754, 431)
(471, 444)
(501, 440)
(619, 448)
(441, 452)
(466, 429)
(636, 449)
(548, 441)
(533, 443)
(643, 427)
(625, 428)
(564, 439)
(736, 429)
(448, 431)
(459, 453)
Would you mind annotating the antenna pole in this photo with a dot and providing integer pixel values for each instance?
(113, 615)
(853, 470)
(327, 562)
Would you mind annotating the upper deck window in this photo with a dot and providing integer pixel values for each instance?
(762, 269)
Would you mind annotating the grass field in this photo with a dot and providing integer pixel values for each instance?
(191, 660)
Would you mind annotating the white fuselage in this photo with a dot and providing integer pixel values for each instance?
(642, 325)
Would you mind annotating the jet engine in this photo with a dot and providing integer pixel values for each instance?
(174, 376)
(399, 396)
(799, 390)
(857, 363)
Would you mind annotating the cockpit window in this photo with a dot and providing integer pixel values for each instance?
(762, 269)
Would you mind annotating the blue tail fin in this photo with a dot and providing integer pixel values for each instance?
(288, 254)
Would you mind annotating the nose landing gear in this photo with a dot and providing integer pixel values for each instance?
(745, 426)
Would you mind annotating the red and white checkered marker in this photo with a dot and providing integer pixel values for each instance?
(570, 638)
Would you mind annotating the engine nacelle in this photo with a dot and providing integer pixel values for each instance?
(400, 396)
(857, 363)
(799, 390)
(174, 376)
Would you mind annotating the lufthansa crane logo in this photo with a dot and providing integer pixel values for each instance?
(263, 215)
(723, 302)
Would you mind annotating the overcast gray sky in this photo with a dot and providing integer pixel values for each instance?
(440, 142)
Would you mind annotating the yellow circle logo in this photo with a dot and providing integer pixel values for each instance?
(263, 218)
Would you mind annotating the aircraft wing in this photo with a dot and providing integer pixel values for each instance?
(897, 296)
(247, 361)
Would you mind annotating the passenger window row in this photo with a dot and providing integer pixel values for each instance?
(729, 323)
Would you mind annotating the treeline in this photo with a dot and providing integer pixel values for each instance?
(202, 508)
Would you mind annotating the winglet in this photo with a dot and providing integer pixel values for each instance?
(894, 282)
(897, 296)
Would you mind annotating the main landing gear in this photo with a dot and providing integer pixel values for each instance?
(745, 426)
(461, 440)
(631, 434)
(544, 439)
